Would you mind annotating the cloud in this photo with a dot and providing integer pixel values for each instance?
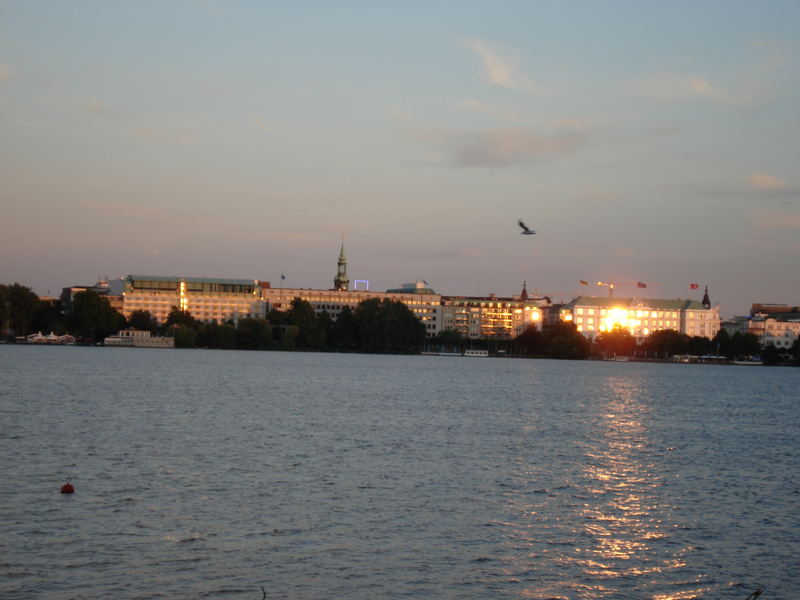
(399, 112)
(5, 73)
(477, 106)
(499, 70)
(96, 107)
(177, 135)
(763, 181)
(261, 124)
(501, 147)
(774, 220)
(88, 106)
(679, 87)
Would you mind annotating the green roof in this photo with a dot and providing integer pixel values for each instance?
(656, 303)
(191, 279)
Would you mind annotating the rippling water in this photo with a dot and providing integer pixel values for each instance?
(208, 474)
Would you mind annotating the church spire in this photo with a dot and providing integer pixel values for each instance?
(524, 295)
(341, 282)
(706, 302)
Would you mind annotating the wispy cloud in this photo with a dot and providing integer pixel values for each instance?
(398, 112)
(681, 87)
(777, 220)
(500, 70)
(472, 105)
(500, 147)
(764, 181)
(178, 135)
(88, 106)
(261, 124)
(5, 73)
(96, 107)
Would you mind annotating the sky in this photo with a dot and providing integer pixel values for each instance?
(654, 142)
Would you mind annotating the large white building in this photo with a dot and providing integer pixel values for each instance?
(775, 324)
(418, 297)
(206, 299)
(493, 317)
(641, 316)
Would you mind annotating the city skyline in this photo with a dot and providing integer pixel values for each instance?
(643, 142)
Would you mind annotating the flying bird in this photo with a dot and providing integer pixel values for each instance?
(525, 230)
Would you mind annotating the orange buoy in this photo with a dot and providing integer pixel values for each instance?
(67, 488)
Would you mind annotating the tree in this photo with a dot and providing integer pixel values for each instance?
(771, 355)
(565, 341)
(744, 345)
(181, 318)
(47, 316)
(794, 351)
(142, 320)
(253, 334)
(91, 316)
(345, 331)
(700, 346)
(448, 340)
(531, 342)
(18, 306)
(387, 326)
(302, 315)
(723, 344)
(666, 343)
(617, 342)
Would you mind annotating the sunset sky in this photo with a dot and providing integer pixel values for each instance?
(644, 141)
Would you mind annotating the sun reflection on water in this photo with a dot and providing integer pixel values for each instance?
(619, 525)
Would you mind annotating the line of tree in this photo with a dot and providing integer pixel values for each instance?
(88, 316)
(564, 341)
(374, 326)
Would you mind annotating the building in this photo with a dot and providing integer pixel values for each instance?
(641, 316)
(418, 297)
(493, 317)
(134, 338)
(112, 293)
(775, 324)
(207, 300)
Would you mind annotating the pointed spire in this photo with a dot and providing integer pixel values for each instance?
(341, 282)
(524, 295)
(706, 302)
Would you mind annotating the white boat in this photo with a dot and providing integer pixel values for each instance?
(476, 353)
(138, 339)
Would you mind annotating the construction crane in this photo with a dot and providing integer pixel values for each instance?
(613, 284)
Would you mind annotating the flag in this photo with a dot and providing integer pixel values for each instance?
(639, 284)
(283, 276)
(693, 286)
(584, 282)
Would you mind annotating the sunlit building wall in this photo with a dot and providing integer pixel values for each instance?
(491, 317)
(206, 299)
(422, 301)
(641, 317)
(781, 331)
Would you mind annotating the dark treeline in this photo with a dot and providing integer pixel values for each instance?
(374, 326)
(88, 317)
(563, 341)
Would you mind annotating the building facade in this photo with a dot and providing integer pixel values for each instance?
(775, 324)
(641, 317)
(207, 300)
(420, 299)
(491, 317)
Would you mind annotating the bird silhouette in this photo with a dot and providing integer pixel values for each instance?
(525, 230)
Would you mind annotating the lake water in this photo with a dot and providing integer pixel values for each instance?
(209, 474)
